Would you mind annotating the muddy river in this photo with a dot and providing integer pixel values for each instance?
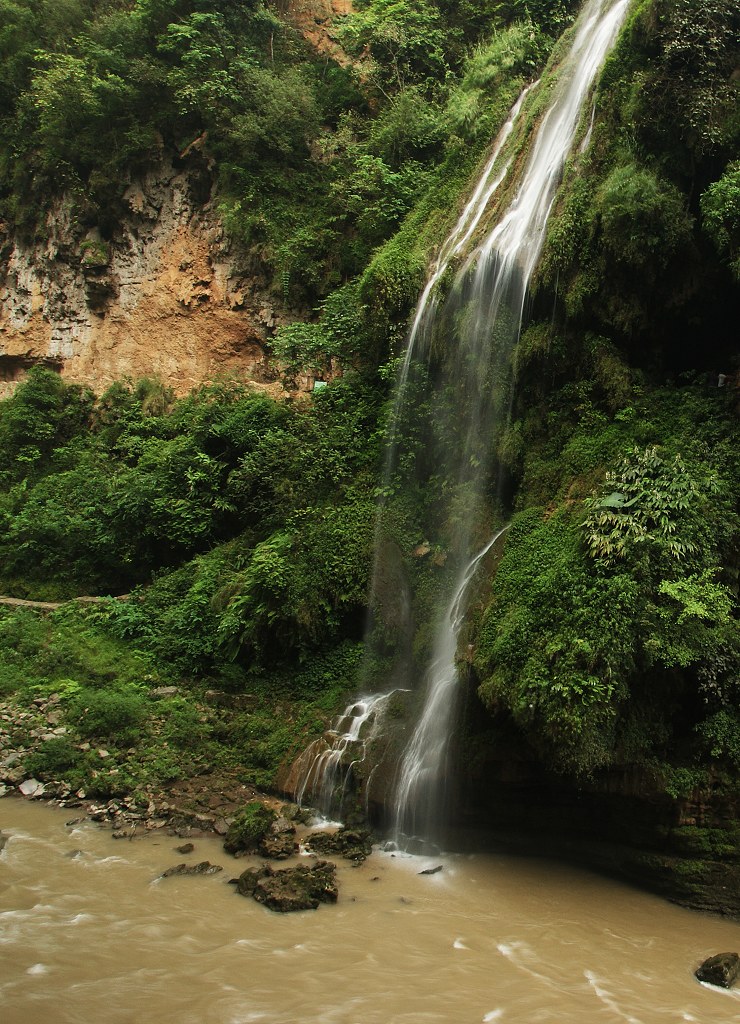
(89, 934)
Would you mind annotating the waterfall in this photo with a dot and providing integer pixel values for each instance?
(453, 402)
(423, 769)
(326, 767)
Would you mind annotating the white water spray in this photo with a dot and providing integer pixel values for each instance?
(326, 767)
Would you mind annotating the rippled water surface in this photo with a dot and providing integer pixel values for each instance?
(88, 934)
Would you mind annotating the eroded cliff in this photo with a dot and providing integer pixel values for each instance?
(164, 296)
(161, 298)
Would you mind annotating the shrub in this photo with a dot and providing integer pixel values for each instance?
(250, 826)
(111, 715)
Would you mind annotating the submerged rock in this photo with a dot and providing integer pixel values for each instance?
(431, 871)
(204, 868)
(721, 970)
(351, 843)
(289, 889)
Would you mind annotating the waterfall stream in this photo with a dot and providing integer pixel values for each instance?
(453, 402)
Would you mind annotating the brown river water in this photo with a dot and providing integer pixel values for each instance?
(89, 934)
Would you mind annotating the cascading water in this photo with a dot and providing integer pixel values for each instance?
(453, 402)
(326, 766)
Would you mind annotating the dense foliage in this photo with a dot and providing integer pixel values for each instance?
(314, 162)
(611, 634)
(654, 200)
(243, 526)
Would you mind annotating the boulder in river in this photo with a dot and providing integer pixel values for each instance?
(721, 970)
(351, 843)
(279, 841)
(298, 888)
(248, 829)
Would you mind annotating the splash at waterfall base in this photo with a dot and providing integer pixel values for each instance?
(621, 823)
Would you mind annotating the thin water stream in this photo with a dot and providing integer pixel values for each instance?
(88, 935)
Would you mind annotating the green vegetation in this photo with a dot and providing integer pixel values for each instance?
(241, 527)
(659, 178)
(611, 635)
(244, 526)
(249, 827)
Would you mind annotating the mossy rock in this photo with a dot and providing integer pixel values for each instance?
(94, 255)
(249, 828)
(350, 843)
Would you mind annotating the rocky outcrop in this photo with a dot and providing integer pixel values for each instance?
(289, 889)
(161, 297)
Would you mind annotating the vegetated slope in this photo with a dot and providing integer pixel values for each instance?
(178, 179)
(609, 636)
(612, 634)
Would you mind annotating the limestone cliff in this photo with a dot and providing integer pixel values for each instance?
(160, 298)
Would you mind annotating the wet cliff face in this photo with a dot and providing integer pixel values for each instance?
(160, 297)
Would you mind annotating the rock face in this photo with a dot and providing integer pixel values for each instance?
(314, 19)
(721, 970)
(289, 889)
(159, 298)
(623, 822)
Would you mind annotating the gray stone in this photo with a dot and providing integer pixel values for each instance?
(163, 692)
(32, 788)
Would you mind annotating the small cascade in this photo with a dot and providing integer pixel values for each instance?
(327, 767)
(453, 402)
